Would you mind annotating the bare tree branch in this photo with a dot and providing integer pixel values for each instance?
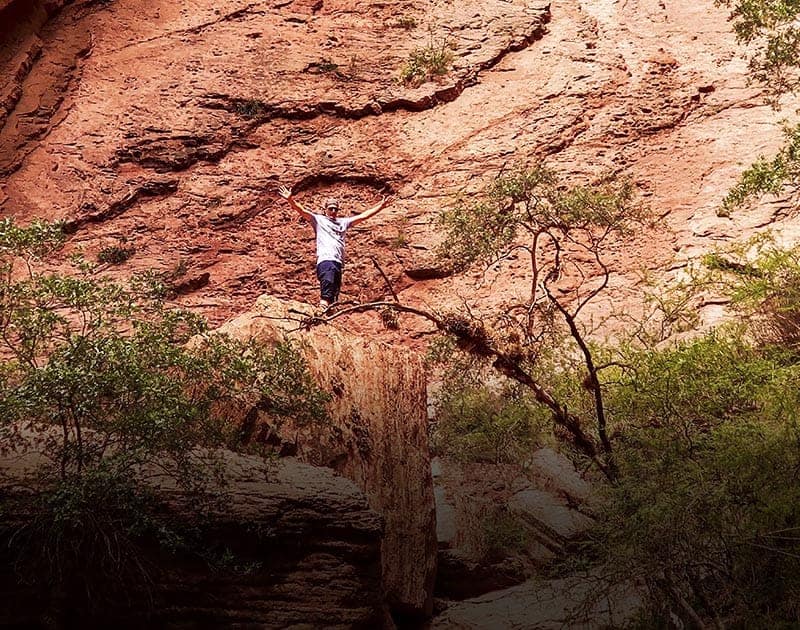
(385, 279)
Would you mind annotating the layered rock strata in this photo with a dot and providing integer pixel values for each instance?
(309, 542)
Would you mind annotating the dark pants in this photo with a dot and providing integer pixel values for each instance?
(329, 274)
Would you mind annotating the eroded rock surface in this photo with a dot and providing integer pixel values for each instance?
(170, 126)
(310, 541)
(378, 436)
(318, 548)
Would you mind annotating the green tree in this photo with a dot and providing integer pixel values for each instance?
(116, 392)
(705, 508)
(563, 231)
(702, 509)
(480, 423)
(771, 31)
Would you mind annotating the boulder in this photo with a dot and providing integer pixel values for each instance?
(558, 475)
(549, 516)
(499, 524)
(318, 543)
(578, 603)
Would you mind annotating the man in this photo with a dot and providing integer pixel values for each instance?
(330, 231)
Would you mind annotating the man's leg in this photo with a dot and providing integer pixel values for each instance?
(337, 281)
(329, 274)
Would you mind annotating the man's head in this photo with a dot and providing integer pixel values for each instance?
(331, 207)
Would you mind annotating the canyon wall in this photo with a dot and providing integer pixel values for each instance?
(169, 127)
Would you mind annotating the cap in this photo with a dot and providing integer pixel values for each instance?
(331, 203)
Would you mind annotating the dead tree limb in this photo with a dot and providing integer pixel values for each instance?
(385, 279)
(473, 341)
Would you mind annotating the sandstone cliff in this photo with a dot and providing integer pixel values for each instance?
(166, 127)
(170, 126)
(312, 545)
(378, 436)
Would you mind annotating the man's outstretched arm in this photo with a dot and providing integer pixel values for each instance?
(372, 211)
(286, 193)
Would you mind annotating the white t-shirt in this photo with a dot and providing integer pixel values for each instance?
(330, 236)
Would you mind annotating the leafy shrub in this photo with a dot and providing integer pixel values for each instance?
(433, 60)
(704, 510)
(112, 386)
(115, 254)
(763, 283)
(476, 423)
(401, 239)
(767, 175)
(503, 534)
(406, 22)
(706, 507)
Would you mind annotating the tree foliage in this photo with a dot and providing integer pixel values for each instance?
(767, 175)
(771, 30)
(705, 508)
(479, 423)
(528, 208)
(563, 231)
(702, 507)
(762, 281)
(117, 392)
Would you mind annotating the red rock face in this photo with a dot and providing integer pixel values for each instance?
(171, 125)
(175, 126)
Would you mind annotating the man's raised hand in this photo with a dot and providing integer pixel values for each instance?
(286, 193)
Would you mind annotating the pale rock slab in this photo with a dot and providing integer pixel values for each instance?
(573, 603)
(311, 540)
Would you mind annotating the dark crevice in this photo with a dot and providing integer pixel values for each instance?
(315, 180)
(520, 43)
(13, 93)
(431, 272)
(146, 190)
(169, 155)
